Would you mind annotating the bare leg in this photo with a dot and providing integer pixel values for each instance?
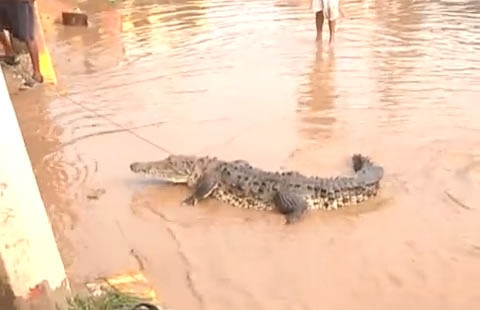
(319, 24)
(6, 43)
(33, 51)
(9, 58)
(331, 27)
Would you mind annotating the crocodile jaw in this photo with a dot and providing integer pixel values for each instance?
(177, 171)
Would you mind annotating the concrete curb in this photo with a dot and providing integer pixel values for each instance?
(29, 255)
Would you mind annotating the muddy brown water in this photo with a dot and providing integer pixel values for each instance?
(245, 79)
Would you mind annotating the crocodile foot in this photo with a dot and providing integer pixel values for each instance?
(291, 206)
(189, 201)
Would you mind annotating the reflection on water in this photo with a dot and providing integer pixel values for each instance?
(318, 100)
(246, 80)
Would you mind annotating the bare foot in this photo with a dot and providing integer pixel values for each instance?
(38, 77)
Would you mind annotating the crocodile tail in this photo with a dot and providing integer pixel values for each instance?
(360, 162)
(365, 170)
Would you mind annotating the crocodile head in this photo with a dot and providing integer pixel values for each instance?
(173, 169)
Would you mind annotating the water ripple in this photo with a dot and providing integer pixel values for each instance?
(392, 67)
(401, 83)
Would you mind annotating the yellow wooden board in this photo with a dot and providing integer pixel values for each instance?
(133, 282)
(46, 65)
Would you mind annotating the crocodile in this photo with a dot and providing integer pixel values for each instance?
(241, 185)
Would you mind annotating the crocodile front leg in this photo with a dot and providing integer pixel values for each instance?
(204, 187)
(292, 206)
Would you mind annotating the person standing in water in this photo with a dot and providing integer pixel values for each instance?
(329, 9)
(18, 18)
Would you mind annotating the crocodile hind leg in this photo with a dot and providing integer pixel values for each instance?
(204, 187)
(292, 206)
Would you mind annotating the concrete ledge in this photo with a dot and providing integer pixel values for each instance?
(28, 250)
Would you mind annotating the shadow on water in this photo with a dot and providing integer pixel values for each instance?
(245, 80)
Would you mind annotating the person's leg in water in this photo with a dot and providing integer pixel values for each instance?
(319, 18)
(331, 28)
(317, 6)
(7, 48)
(33, 50)
(30, 40)
(333, 12)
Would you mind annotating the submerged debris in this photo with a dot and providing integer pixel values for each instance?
(75, 18)
(95, 193)
(457, 202)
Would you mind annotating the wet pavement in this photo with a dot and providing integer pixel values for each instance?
(245, 80)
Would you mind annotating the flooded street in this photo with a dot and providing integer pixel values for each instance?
(246, 80)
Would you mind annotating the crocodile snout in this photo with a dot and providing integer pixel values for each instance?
(137, 167)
